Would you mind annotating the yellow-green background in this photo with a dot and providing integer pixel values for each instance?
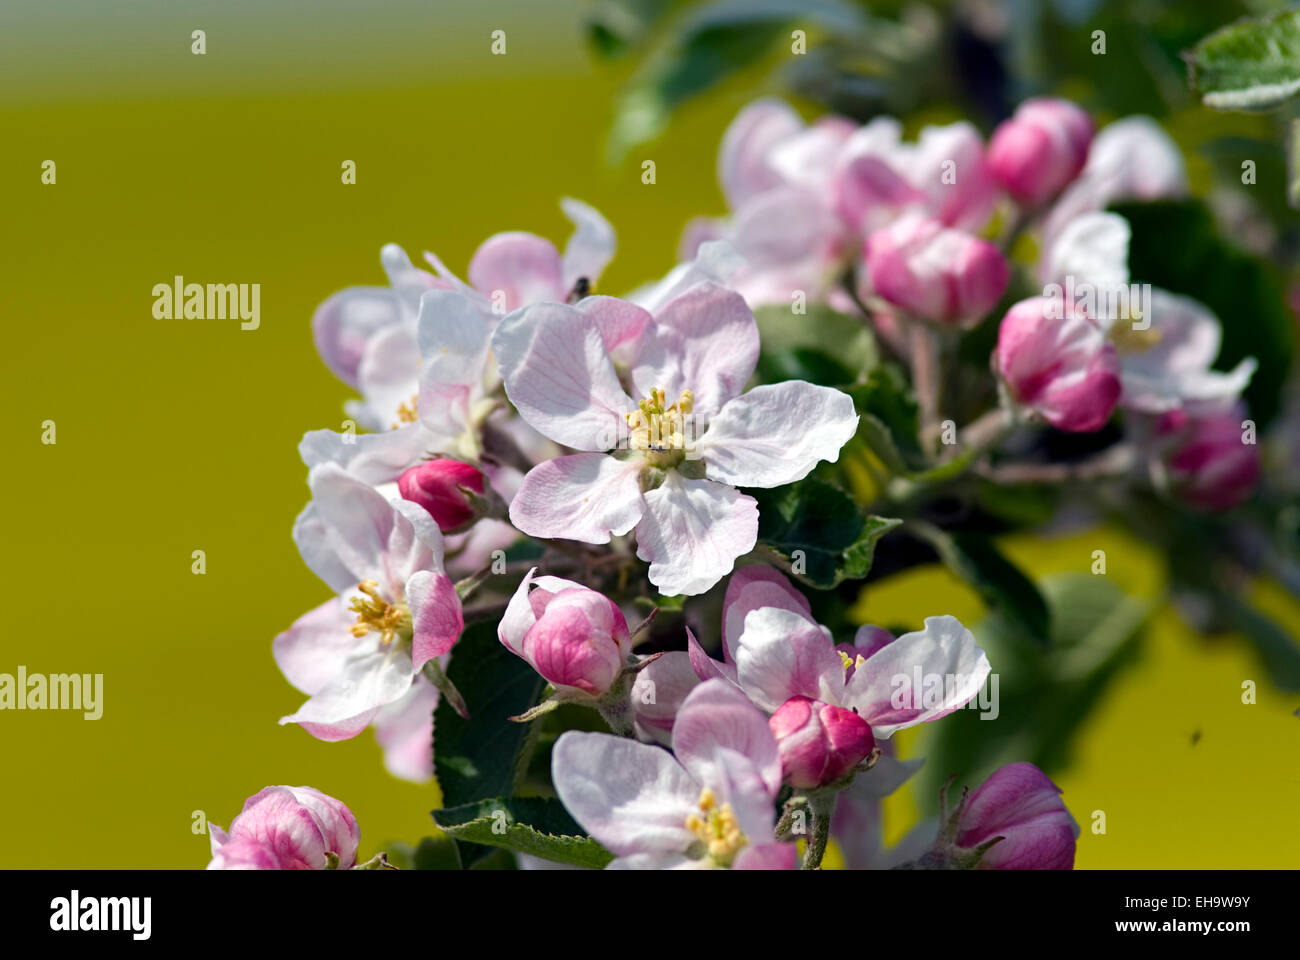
(180, 435)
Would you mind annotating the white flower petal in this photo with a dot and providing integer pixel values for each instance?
(943, 657)
(632, 797)
(693, 531)
(559, 376)
(585, 496)
(775, 434)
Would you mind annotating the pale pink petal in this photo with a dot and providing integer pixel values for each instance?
(435, 615)
(375, 458)
(632, 797)
(658, 692)
(782, 654)
(693, 531)
(521, 267)
(345, 323)
(748, 589)
(921, 676)
(312, 651)
(585, 496)
(454, 337)
(704, 666)
(404, 730)
(766, 856)
(704, 340)
(591, 246)
(776, 433)
(369, 680)
(717, 715)
(558, 374)
(744, 167)
(622, 325)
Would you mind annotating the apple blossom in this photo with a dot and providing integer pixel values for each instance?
(1035, 154)
(707, 805)
(1166, 345)
(287, 828)
(935, 273)
(804, 196)
(1056, 360)
(396, 610)
(682, 450)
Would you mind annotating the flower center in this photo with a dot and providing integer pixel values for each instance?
(717, 829)
(389, 620)
(1129, 340)
(851, 663)
(407, 412)
(658, 431)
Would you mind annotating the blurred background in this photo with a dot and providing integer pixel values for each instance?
(180, 435)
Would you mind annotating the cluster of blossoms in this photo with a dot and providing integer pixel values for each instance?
(622, 434)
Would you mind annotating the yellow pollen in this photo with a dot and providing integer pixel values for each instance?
(847, 660)
(657, 427)
(387, 619)
(407, 412)
(717, 829)
(1130, 340)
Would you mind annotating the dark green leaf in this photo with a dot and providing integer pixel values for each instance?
(539, 826)
(819, 531)
(477, 758)
(885, 396)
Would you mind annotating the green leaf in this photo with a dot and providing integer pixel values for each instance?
(819, 531)
(539, 826)
(1244, 292)
(794, 345)
(974, 558)
(1250, 64)
(885, 397)
(705, 45)
(1044, 694)
(477, 758)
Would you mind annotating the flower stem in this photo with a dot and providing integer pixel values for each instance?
(820, 805)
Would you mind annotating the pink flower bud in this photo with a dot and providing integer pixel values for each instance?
(1057, 361)
(818, 743)
(573, 636)
(934, 272)
(436, 486)
(1021, 805)
(287, 828)
(1207, 459)
(1036, 153)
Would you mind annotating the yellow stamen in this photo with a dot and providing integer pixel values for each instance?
(389, 620)
(717, 829)
(1129, 340)
(407, 412)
